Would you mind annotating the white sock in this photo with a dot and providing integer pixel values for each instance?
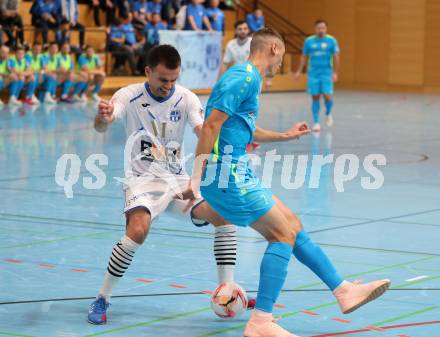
(122, 255)
(225, 251)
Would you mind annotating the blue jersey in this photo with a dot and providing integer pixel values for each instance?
(154, 7)
(255, 23)
(130, 36)
(216, 17)
(235, 193)
(320, 51)
(198, 13)
(236, 94)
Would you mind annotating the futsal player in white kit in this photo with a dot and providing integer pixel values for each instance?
(237, 50)
(155, 114)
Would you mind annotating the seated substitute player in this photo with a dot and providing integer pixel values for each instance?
(37, 61)
(239, 197)
(21, 68)
(66, 76)
(323, 53)
(52, 61)
(155, 114)
(92, 72)
(6, 77)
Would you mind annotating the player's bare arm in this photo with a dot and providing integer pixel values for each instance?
(296, 131)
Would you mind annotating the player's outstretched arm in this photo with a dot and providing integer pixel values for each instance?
(105, 116)
(297, 130)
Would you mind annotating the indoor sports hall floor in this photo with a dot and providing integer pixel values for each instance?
(54, 250)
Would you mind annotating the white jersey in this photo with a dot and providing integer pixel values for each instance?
(237, 53)
(155, 127)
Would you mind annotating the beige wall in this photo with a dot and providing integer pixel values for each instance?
(383, 42)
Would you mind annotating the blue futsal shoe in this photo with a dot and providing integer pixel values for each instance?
(98, 311)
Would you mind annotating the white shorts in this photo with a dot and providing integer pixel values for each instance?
(158, 194)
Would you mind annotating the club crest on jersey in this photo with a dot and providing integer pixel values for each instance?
(175, 116)
(323, 45)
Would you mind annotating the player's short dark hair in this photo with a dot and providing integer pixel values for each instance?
(317, 22)
(259, 38)
(164, 54)
(239, 23)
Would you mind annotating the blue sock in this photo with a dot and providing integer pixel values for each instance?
(66, 87)
(30, 89)
(273, 272)
(20, 85)
(316, 106)
(77, 88)
(13, 88)
(97, 88)
(84, 87)
(53, 86)
(328, 106)
(311, 255)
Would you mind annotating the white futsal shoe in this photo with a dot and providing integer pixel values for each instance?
(14, 101)
(48, 99)
(35, 100)
(316, 127)
(329, 121)
(352, 296)
(96, 97)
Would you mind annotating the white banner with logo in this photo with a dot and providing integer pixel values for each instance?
(200, 53)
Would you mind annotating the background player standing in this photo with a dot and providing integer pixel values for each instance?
(323, 53)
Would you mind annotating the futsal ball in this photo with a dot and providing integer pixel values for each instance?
(229, 300)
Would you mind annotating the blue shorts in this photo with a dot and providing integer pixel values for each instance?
(240, 206)
(320, 84)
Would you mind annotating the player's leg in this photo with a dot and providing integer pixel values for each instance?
(98, 82)
(310, 254)
(37, 78)
(350, 296)
(68, 79)
(314, 90)
(281, 236)
(142, 205)
(327, 89)
(225, 240)
(316, 107)
(50, 88)
(3, 84)
(254, 205)
(138, 222)
(80, 87)
(30, 89)
(15, 89)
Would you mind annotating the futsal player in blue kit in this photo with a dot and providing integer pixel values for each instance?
(322, 50)
(238, 196)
